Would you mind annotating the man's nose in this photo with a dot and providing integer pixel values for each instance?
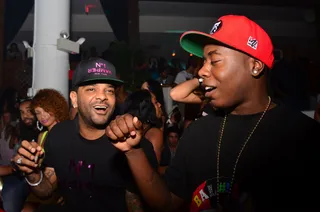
(101, 95)
(204, 72)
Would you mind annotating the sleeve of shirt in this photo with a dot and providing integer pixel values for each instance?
(179, 78)
(176, 174)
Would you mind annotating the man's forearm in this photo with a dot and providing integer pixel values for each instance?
(5, 170)
(44, 189)
(182, 92)
(150, 184)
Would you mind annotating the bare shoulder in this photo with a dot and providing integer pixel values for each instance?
(154, 133)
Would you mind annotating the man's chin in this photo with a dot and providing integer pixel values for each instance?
(100, 123)
(28, 124)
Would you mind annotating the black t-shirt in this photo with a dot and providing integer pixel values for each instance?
(277, 169)
(207, 109)
(92, 175)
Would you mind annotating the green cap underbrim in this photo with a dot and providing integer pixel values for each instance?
(194, 41)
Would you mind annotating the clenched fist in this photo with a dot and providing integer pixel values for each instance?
(125, 132)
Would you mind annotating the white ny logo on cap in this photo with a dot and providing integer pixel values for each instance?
(215, 27)
(252, 42)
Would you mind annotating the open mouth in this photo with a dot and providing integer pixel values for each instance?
(27, 121)
(209, 88)
(100, 108)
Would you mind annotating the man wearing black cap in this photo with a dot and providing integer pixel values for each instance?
(251, 154)
(79, 160)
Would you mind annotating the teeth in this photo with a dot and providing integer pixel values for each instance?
(208, 88)
(100, 107)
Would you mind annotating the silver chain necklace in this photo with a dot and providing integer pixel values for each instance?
(240, 152)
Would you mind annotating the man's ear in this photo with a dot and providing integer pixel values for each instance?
(257, 68)
(74, 99)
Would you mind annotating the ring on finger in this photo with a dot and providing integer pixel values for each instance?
(19, 160)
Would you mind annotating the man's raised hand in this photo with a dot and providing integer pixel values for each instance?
(27, 156)
(125, 131)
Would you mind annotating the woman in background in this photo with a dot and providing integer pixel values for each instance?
(155, 88)
(145, 106)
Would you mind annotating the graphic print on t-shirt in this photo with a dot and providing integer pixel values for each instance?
(80, 174)
(204, 198)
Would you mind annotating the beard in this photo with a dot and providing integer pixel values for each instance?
(31, 124)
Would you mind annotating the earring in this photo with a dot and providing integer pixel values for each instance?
(255, 71)
(39, 126)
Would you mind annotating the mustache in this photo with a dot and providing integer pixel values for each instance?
(28, 119)
(101, 103)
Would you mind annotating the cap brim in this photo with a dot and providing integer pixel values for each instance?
(194, 41)
(102, 80)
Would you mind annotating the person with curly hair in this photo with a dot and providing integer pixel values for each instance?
(50, 108)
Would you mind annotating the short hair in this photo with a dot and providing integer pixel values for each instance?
(174, 129)
(21, 101)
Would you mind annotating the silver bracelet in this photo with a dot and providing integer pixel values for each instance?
(37, 183)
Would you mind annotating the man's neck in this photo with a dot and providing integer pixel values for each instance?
(256, 101)
(89, 132)
(172, 148)
(253, 105)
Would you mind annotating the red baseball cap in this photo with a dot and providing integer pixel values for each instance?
(235, 31)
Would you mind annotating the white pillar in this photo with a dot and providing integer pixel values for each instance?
(50, 66)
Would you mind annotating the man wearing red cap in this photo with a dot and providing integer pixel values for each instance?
(251, 154)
